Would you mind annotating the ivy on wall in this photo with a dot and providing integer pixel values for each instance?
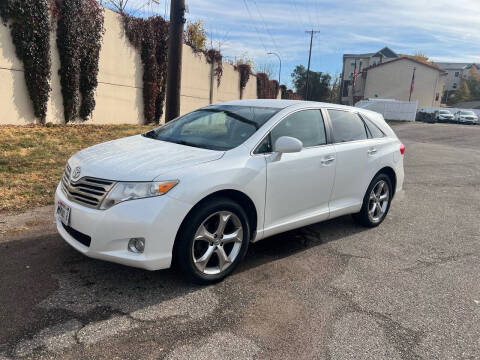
(215, 57)
(245, 70)
(30, 29)
(79, 37)
(266, 89)
(150, 37)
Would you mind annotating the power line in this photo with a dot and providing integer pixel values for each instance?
(253, 23)
(298, 14)
(317, 12)
(307, 4)
(265, 25)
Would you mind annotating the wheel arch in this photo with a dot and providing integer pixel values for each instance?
(387, 170)
(238, 196)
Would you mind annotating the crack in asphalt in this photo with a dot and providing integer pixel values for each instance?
(403, 339)
(422, 264)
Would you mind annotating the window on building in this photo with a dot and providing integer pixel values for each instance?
(347, 126)
(352, 63)
(457, 73)
(454, 85)
(351, 75)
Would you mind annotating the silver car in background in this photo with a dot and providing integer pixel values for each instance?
(444, 116)
(466, 117)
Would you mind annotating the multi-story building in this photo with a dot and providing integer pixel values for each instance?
(456, 73)
(395, 79)
(388, 75)
(359, 62)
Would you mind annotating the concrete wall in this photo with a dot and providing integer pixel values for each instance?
(119, 94)
(392, 81)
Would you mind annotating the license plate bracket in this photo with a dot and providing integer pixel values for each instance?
(63, 212)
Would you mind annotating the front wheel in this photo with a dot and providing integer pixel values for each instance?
(212, 241)
(376, 202)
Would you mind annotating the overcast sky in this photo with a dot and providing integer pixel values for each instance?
(445, 30)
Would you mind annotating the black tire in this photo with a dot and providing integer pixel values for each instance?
(183, 249)
(363, 217)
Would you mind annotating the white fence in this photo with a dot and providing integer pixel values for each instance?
(432, 109)
(391, 109)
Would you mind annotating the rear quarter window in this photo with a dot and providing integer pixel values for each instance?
(374, 130)
(347, 126)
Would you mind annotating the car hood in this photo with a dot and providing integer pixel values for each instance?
(138, 158)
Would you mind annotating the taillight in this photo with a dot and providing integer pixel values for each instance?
(402, 149)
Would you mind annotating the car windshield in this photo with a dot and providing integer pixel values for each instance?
(217, 127)
(445, 112)
(466, 112)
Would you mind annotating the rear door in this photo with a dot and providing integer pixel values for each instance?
(299, 185)
(357, 161)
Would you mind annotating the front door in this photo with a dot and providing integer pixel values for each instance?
(299, 185)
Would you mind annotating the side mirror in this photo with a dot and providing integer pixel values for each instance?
(288, 144)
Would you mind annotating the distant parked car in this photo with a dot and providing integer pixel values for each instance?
(425, 117)
(466, 117)
(444, 116)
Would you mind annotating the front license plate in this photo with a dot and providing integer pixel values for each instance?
(63, 213)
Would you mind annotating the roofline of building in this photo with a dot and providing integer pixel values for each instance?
(407, 58)
(370, 54)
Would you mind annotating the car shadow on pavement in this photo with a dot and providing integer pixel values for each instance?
(44, 282)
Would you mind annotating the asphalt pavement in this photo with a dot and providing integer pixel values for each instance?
(408, 289)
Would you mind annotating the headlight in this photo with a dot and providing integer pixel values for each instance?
(124, 191)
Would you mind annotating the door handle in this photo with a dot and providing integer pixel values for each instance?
(328, 160)
(372, 151)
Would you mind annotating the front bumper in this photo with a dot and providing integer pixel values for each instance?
(467, 121)
(156, 219)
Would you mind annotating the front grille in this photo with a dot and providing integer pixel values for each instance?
(87, 191)
(77, 235)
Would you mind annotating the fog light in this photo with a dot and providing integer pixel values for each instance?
(136, 245)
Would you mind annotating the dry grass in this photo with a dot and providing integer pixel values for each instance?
(32, 159)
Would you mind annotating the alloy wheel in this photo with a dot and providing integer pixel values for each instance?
(378, 201)
(217, 242)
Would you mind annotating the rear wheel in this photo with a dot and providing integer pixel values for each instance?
(212, 241)
(376, 202)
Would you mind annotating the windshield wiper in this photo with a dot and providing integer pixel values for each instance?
(235, 116)
(150, 134)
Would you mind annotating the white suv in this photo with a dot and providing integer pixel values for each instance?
(199, 189)
(466, 117)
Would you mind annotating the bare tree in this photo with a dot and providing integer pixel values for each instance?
(267, 68)
(121, 5)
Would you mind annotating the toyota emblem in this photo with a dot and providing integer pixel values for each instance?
(76, 173)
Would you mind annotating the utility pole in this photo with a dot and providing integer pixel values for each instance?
(174, 69)
(311, 32)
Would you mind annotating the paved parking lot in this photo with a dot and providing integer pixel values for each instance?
(409, 289)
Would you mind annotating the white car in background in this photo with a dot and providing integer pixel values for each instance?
(444, 116)
(466, 117)
(199, 189)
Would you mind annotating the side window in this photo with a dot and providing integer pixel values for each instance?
(265, 146)
(307, 126)
(347, 126)
(373, 129)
